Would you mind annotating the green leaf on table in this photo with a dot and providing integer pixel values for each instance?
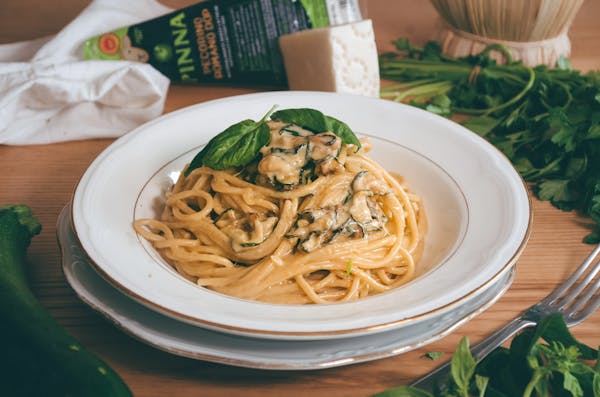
(593, 237)
(462, 366)
(317, 122)
(594, 212)
(593, 132)
(402, 44)
(522, 164)
(565, 134)
(576, 167)
(432, 50)
(482, 125)
(555, 190)
(440, 104)
(433, 355)
(595, 204)
(553, 328)
(596, 384)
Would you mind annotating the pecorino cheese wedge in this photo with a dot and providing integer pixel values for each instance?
(339, 58)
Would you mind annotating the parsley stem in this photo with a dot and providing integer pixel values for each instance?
(510, 102)
(537, 376)
(401, 86)
(269, 113)
(500, 48)
(432, 89)
(537, 173)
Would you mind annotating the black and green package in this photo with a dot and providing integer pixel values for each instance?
(232, 41)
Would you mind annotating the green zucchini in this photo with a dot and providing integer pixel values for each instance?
(39, 358)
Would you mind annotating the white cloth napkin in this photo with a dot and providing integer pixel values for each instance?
(48, 93)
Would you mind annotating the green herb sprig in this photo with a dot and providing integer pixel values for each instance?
(546, 120)
(240, 143)
(528, 368)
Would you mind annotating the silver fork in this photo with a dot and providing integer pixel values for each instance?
(574, 299)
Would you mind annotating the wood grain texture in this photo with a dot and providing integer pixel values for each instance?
(44, 177)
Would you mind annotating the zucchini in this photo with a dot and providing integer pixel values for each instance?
(39, 358)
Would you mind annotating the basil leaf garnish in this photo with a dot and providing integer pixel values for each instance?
(240, 143)
(237, 146)
(316, 121)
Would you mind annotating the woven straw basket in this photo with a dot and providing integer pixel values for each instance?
(535, 31)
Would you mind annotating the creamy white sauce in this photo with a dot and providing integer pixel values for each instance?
(291, 151)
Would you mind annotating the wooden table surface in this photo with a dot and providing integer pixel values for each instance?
(44, 177)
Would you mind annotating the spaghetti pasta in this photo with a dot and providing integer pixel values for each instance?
(313, 220)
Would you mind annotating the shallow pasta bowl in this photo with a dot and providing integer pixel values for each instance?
(477, 207)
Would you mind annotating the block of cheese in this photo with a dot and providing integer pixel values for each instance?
(341, 58)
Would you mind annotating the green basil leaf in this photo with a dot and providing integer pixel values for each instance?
(462, 366)
(311, 119)
(237, 146)
(315, 121)
(571, 384)
(342, 130)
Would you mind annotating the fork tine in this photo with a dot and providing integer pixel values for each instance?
(582, 300)
(558, 292)
(576, 318)
(573, 294)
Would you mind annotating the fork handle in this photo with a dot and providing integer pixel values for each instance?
(479, 351)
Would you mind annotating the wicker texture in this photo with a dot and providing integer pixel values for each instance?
(535, 31)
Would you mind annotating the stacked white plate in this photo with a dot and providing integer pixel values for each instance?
(478, 213)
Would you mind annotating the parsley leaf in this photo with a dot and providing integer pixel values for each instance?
(481, 125)
(554, 190)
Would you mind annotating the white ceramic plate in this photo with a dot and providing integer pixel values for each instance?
(187, 340)
(477, 206)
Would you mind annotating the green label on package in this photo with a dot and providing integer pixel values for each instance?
(220, 40)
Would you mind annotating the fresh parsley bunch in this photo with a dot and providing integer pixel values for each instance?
(544, 361)
(546, 120)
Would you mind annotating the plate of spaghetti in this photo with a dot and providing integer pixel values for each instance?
(324, 217)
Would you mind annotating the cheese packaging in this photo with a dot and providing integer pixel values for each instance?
(339, 58)
(233, 41)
